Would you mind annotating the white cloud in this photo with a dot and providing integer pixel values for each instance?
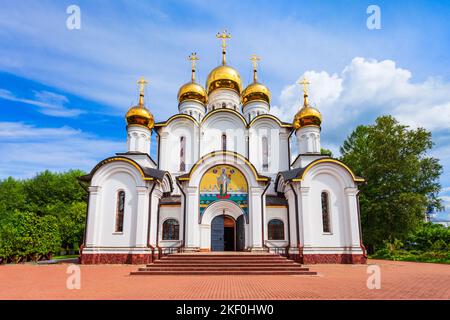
(369, 87)
(48, 103)
(27, 150)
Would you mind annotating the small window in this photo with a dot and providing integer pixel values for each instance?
(120, 208)
(182, 154)
(325, 212)
(265, 154)
(224, 141)
(276, 229)
(171, 230)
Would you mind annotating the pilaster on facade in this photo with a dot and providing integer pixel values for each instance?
(94, 210)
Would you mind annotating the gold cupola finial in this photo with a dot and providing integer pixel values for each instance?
(307, 115)
(224, 36)
(142, 83)
(255, 91)
(192, 90)
(139, 115)
(305, 83)
(193, 58)
(254, 58)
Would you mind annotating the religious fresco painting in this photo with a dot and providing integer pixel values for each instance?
(224, 182)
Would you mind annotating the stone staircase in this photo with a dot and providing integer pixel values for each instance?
(224, 263)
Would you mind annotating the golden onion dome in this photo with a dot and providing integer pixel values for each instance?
(224, 77)
(255, 91)
(139, 115)
(307, 116)
(192, 91)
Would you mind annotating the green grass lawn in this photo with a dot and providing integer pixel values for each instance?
(414, 256)
(70, 256)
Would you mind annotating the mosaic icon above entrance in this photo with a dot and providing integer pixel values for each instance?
(224, 182)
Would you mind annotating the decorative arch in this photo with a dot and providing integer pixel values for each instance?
(271, 118)
(231, 111)
(102, 173)
(226, 157)
(223, 182)
(315, 165)
(217, 208)
(122, 164)
(177, 116)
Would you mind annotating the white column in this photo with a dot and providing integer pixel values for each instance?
(306, 226)
(93, 221)
(192, 225)
(290, 196)
(352, 212)
(163, 163)
(141, 218)
(255, 217)
(155, 197)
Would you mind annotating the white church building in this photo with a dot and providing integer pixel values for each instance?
(222, 180)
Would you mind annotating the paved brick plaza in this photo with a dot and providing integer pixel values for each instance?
(399, 280)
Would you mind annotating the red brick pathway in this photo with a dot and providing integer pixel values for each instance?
(399, 280)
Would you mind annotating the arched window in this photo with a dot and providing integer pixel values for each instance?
(120, 208)
(276, 229)
(171, 230)
(325, 212)
(182, 154)
(265, 154)
(224, 141)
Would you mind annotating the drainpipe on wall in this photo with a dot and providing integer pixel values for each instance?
(149, 222)
(263, 209)
(300, 247)
(184, 214)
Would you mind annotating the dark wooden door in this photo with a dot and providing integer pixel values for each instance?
(228, 239)
(217, 234)
(240, 233)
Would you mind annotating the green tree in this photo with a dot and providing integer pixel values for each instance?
(71, 220)
(326, 152)
(47, 189)
(402, 182)
(12, 196)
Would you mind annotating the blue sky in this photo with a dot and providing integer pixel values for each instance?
(63, 93)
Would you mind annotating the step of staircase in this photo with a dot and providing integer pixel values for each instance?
(223, 264)
(223, 273)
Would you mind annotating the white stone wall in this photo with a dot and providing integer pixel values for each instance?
(170, 212)
(279, 213)
(138, 139)
(255, 108)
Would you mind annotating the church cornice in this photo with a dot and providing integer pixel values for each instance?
(298, 175)
(148, 174)
(209, 114)
(174, 117)
(271, 117)
(258, 177)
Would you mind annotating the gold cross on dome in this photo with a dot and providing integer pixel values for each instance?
(193, 58)
(224, 36)
(142, 83)
(305, 84)
(254, 58)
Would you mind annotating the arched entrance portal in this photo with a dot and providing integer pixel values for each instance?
(227, 234)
